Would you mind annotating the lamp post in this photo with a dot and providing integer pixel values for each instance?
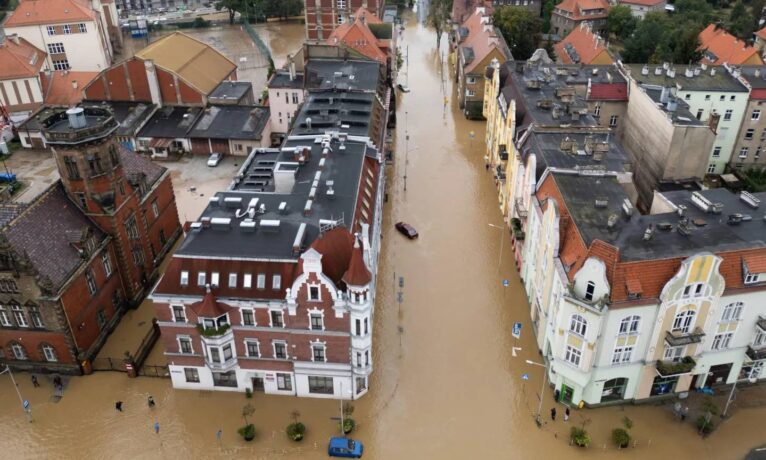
(731, 393)
(502, 239)
(538, 420)
(24, 404)
(471, 136)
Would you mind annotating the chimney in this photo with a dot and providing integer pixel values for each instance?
(757, 73)
(713, 122)
(712, 71)
(308, 122)
(291, 66)
(664, 95)
(645, 70)
(689, 73)
(15, 38)
(658, 71)
(74, 84)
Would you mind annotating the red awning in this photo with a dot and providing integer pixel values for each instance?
(160, 143)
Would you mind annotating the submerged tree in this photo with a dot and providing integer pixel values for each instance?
(438, 17)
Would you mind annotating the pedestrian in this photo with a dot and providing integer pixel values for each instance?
(35, 383)
(553, 414)
(556, 395)
(57, 383)
(684, 413)
(566, 415)
(157, 427)
(151, 401)
(677, 410)
(118, 406)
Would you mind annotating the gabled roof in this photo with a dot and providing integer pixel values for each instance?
(720, 46)
(581, 46)
(358, 36)
(197, 63)
(335, 246)
(643, 2)
(576, 7)
(365, 15)
(42, 12)
(65, 88)
(19, 59)
(756, 263)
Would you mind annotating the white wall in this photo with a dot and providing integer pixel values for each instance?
(34, 84)
(283, 112)
(85, 51)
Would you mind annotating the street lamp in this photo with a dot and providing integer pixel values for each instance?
(471, 136)
(502, 239)
(24, 404)
(538, 420)
(731, 394)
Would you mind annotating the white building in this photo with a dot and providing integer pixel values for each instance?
(286, 95)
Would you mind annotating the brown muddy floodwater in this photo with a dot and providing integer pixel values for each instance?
(445, 386)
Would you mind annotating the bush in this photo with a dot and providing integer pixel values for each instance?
(348, 425)
(704, 425)
(248, 393)
(620, 437)
(295, 431)
(247, 432)
(579, 437)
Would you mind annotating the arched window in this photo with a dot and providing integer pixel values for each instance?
(48, 352)
(630, 324)
(18, 351)
(732, 312)
(589, 290)
(683, 321)
(578, 325)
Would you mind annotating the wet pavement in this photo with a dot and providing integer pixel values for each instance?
(446, 384)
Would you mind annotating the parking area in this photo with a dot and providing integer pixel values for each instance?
(36, 169)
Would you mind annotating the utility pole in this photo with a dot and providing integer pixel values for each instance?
(539, 420)
(24, 403)
(406, 139)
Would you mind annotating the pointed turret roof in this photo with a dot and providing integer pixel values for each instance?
(208, 307)
(357, 273)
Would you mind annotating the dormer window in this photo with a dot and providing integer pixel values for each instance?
(752, 278)
(590, 289)
(215, 323)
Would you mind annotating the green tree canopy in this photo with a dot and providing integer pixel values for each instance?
(620, 22)
(439, 12)
(661, 38)
(520, 28)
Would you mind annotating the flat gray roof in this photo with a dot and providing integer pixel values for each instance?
(327, 110)
(342, 74)
(231, 122)
(714, 78)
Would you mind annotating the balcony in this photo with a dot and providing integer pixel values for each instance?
(761, 323)
(668, 368)
(521, 210)
(503, 153)
(679, 339)
(756, 354)
(500, 173)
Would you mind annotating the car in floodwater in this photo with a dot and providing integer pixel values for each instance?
(345, 447)
(403, 88)
(214, 159)
(407, 230)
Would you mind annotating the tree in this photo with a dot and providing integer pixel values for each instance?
(438, 17)
(741, 23)
(620, 22)
(232, 7)
(282, 8)
(547, 11)
(520, 28)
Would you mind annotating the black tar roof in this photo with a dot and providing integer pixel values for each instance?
(282, 80)
(713, 78)
(580, 193)
(131, 116)
(681, 115)
(233, 90)
(756, 81)
(342, 74)
(231, 122)
(171, 122)
(347, 112)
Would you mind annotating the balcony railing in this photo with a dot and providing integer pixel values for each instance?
(212, 332)
(521, 210)
(761, 323)
(756, 354)
(678, 339)
(667, 368)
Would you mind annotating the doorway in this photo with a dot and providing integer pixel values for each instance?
(567, 393)
(718, 374)
(258, 383)
(614, 389)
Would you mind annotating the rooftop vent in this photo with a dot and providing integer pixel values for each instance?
(269, 224)
(299, 237)
(214, 200)
(76, 117)
(717, 208)
(658, 71)
(683, 227)
(665, 226)
(627, 207)
(205, 222)
(307, 208)
(602, 202)
(750, 199)
(734, 219)
(247, 225)
(232, 201)
(701, 202)
(689, 73)
(330, 191)
(283, 207)
(649, 232)
(611, 221)
(220, 223)
(568, 145)
(682, 210)
(196, 226)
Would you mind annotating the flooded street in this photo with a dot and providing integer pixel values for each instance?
(446, 384)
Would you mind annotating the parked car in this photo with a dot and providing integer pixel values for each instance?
(214, 159)
(403, 88)
(345, 447)
(407, 230)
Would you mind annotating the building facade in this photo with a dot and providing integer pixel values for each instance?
(639, 8)
(324, 16)
(20, 65)
(569, 14)
(749, 145)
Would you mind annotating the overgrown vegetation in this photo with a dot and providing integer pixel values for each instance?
(439, 13)
(754, 179)
(671, 368)
(212, 331)
(260, 10)
(520, 28)
(296, 430)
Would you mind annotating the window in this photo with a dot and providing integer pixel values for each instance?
(630, 324)
(247, 281)
(55, 48)
(131, 228)
(622, 355)
(138, 256)
(572, 355)
(722, 341)
(276, 319)
(280, 350)
(155, 209)
(469, 93)
(693, 290)
(232, 280)
(367, 357)
(733, 98)
(284, 382)
(4, 319)
(727, 114)
(261, 281)
(722, 98)
(107, 264)
(317, 353)
(185, 345)
(51, 30)
(589, 291)
(201, 278)
(732, 312)
(613, 121)
(366, 328)
(248, 319)
(192, 376)
(8, 285)
(18, 350)
(90, 280)
(287, 98)
(597, 110)
(295, 98)
(578, 325)
(683, 321)
(49, 353)
(760, 339)
(61, 64)
(184, 278)
(717, 151)
(276, 282)
(82, 28)
(358, 359)
(253, 350)
(699, 114)
(322, 385)
(214, 279)
(71, 166)
(317, 323)
(743, 152)
(215, 355)
(37, 319)
(179, 315)
(711, 168)
(673, 353)
(19, 316)
(756, 115)
(227, 353)
(358, 327)
(101, 318)
(757, 153)
(687, 97)
(470, 80)
(314, 293)
(751, 278)
(707, 97)
(67, 29)
(749, 134)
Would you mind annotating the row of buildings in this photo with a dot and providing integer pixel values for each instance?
(640, 282)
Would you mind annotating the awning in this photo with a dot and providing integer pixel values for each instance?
(160, 143)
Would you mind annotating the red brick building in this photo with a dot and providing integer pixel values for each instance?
(324, 16)
(87, 248)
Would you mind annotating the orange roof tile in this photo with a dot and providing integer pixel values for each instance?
(587, 45)
(208, 307)
(643, 2)
(726, 47)
(40, 12)
(482, 39)
(576, 7)
(761, 33)
(358, 36)
(756, 263)
(369, 18)
(633, 284)
(357, 273)
(65, 88)
(19, 59)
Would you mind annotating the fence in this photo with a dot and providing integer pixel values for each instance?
(108, 364)
(257, 40)
(148, 370)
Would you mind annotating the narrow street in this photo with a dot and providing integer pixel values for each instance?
(446, 384)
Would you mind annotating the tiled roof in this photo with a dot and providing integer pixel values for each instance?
(365, 15)
(40, 234)
(576, 7)
(643, 2)
(358, 36)
(756, 263)
(59, 87)
(761, 33)
(209, 307)
(357, 273)
(19, 60)
(136, 165)
(482, 38)
(719, 46)
(34, 12)
(335, 246)
(581, 46)
(608, 92)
